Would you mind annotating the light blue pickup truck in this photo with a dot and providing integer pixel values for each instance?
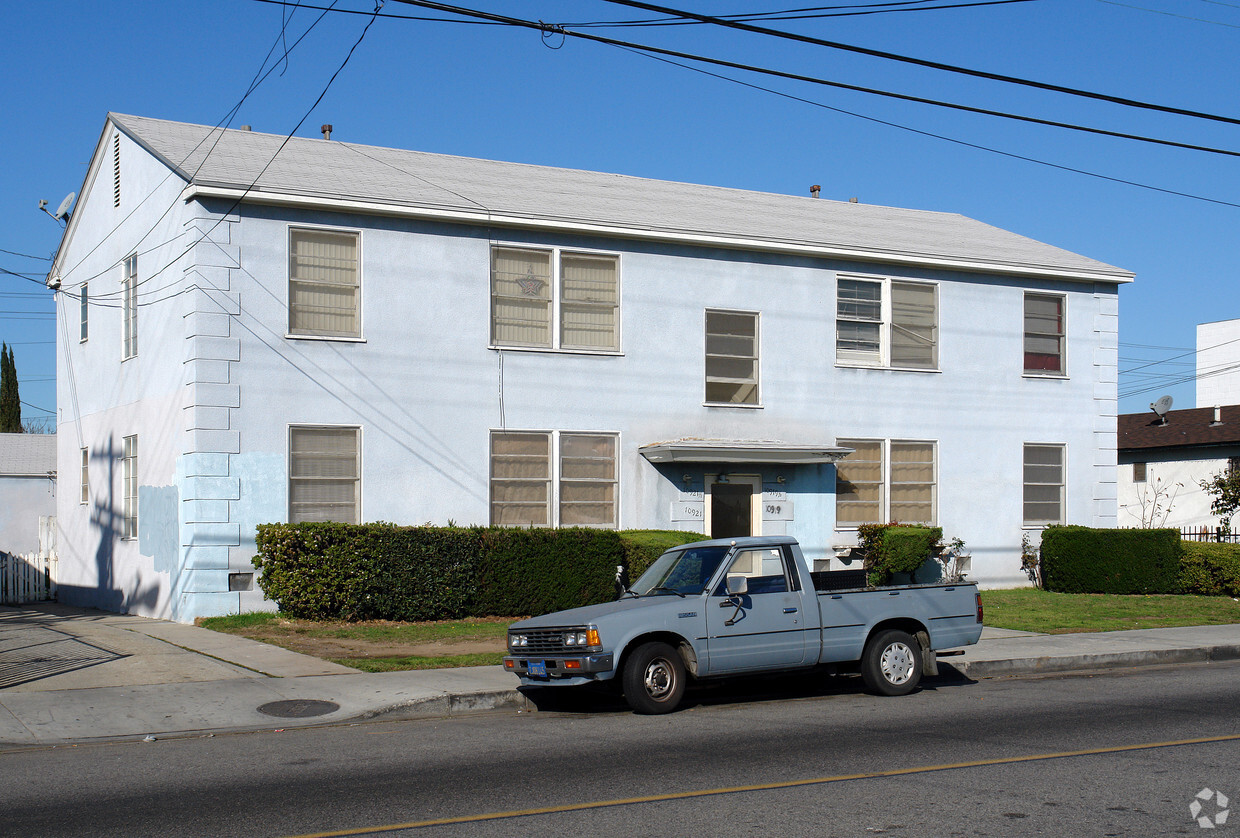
(746, 605)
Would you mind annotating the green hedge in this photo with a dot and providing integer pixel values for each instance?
(382, 571)
(897, 548)
(1210, 569)
(1083, 560)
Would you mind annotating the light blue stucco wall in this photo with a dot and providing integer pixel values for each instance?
(217, 383)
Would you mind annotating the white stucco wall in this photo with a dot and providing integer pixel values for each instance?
(1171, 494)
(1218, 363)
(217, 383)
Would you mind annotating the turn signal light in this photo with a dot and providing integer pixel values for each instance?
(979, 607)
(572, 664)
(592, 638)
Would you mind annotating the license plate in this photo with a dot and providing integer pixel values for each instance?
(537, 669)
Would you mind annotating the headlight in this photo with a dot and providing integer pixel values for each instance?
(517, 640)
(575, 638)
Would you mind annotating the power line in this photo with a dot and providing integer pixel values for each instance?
(920, 62)
(810, 13)
(26, 255)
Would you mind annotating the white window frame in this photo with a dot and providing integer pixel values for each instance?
(359, 337)
(84, 496)
(129, 487)
(83, 304)
(129, 307)
(555, 476)
(886, 484)
(555, 325)
(707, 355)
(357, 479)
(1062, 372)
(881, 359)
(1062, 484)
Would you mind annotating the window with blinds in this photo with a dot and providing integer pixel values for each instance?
(581, 490)
(886, 480)
(1044, 485)
(129, 488)
(324, 474)
(84, 311)
(323, 284)
(887, 323)
(84, 497)
(1044, 334)
(554, 299)
(731, 357)
(859, 484)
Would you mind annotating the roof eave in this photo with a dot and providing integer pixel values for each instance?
(459, 216)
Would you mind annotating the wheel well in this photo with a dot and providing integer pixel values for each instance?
(670, 638)
(904, 624)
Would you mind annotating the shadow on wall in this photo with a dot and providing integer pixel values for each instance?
(108, 524)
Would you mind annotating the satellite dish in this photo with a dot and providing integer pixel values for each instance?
(62, 212)
(1161, 407)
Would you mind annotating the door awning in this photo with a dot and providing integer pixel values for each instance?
(741, 451)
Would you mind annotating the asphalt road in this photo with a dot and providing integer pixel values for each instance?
(1116, 754)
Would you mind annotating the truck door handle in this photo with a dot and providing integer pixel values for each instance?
(790, 611)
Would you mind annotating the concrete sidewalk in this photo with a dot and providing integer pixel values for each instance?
(71, 675)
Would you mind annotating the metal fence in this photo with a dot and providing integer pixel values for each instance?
(1209, 534)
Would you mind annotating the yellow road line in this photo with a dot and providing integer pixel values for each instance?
(788, 784)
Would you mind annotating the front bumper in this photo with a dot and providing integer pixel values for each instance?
(562, 669)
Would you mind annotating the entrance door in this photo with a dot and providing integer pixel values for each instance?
(732, 506)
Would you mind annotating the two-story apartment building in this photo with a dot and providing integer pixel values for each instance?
(258, 329)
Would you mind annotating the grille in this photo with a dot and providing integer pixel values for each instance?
(545, 641)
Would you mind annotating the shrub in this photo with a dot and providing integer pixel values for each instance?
(897, 548)
(1210, 569)
(382, 571)
(1083, 560)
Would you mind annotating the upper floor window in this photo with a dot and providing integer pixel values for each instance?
(323, 284)
(555, 299)
(129, 307)
(84, 496)
(1044, 485)
(731, 357)
(885, 480)
(1044, 334)
(886, 323)
(553, 478)
(324, 474)
(84, 302)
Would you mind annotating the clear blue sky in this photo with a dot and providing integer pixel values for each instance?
(508, 94)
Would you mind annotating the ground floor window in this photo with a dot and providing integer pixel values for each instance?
(554, 479)
(324, 474)
(1044, 484)
(886, 480)
(129, 489)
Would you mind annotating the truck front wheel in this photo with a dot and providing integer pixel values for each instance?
(891, 664)
(654, 679)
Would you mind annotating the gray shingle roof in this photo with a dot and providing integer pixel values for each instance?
(25, 455)
(335, 171)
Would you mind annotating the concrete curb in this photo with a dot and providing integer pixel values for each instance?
(1046, 664)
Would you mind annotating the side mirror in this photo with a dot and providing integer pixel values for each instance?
(737, 585)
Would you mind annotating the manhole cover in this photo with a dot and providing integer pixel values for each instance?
(294, 708)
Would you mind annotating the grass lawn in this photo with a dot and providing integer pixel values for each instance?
(382, 646)
(1028, 609)
(377, 646)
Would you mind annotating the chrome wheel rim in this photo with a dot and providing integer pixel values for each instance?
(897, 663)
(660, 679)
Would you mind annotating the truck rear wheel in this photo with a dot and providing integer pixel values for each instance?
(891, 664)
(654, 679)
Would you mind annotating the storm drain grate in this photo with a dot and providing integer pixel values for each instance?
(296, 708)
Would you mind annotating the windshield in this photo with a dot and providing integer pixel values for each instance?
(683, 571)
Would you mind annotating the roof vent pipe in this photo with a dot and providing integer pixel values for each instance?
(245, 128)
(814, 190)
(327, 131)
(1218, 414)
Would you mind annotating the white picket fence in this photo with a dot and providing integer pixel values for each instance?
(31, 577)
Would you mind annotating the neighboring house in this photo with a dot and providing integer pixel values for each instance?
(27, 489)
(317, 330)
(1162, 464)
(1218, 363)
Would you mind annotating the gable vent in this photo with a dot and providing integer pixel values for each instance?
(116, 170)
